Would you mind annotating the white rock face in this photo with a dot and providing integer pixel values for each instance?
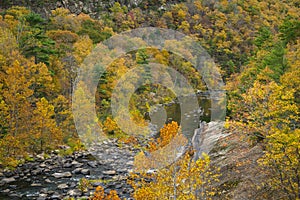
(206, 137)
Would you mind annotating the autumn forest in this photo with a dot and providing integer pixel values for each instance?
(256, 48)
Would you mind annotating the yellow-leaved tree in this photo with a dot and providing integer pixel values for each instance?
(282, 153)
(173, 177)
(264, 102)
(44, 133)
(184, 179)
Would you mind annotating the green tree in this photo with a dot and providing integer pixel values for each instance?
(34, 42)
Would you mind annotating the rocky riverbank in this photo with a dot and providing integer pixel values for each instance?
(59, 177)
(77, 175)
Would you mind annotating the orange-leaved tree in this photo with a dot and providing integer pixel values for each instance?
(164, 150)
(99, 194)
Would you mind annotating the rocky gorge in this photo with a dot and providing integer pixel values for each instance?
(77, 175)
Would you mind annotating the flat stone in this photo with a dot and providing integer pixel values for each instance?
(92, 164)
(37, 171)
(13, 186)
(68, 165)
(42, 197)
(43, 165)
(62, 186)
(85, 171)
(77, 171)
(48, 180)
(109, 172)
(50, 192)
(36, 185)
(72, 185)
(129, 163)
(8, 180)
(40, 156)
(44, 190)
(124, 170)
(15, 195)
(105, 142)
(74, 192)
(62, 175)
(76, 164)
(55, 197)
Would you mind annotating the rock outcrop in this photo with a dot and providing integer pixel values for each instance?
(91, 7)
(206, 136)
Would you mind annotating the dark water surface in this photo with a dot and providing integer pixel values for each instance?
(189, 116)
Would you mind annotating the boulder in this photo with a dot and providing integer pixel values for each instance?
(206, 136)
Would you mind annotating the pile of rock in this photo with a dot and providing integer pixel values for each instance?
(58, 177)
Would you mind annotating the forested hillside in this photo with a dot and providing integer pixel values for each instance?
(255, 45)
